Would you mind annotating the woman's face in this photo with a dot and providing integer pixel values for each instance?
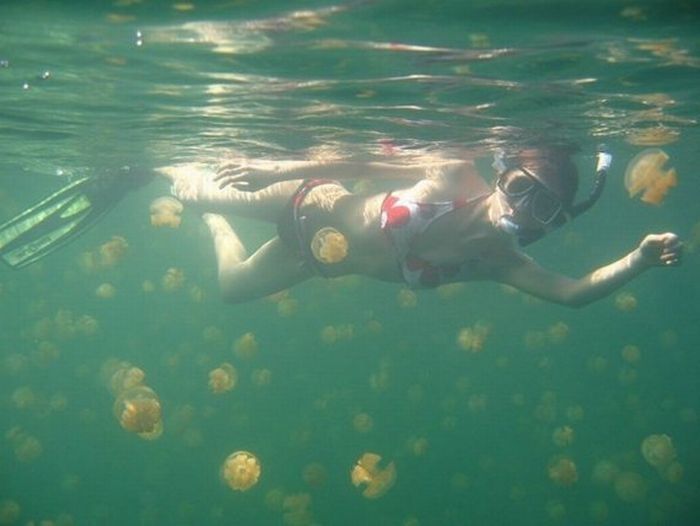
(531, 205)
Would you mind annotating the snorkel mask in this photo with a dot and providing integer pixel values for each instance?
(526, 195)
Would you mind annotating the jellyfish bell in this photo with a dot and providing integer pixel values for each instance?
(10, 511)
(223, 378)
(329, 246)
(173, 279)
(563, 436)
(646, 174)
(658, 451)
(377, 481)
(105, 291)
(362, 423)
(241, 470)
(111, 252)
(138, 410)
(314, 474)
(246, 347)
(165, 212)
(562, 471)
(126, 377)
(630, 486)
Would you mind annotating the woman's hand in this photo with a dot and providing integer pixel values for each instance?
(246, 176)
(661, 250)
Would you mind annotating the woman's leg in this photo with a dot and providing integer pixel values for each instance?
(272, 268)
(195, 186)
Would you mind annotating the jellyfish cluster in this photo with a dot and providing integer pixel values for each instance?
(137, 407)
(473, 338)
(106, 256)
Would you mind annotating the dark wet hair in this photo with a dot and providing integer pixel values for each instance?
(553, 166)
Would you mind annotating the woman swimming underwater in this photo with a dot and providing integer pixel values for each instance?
(448, 226)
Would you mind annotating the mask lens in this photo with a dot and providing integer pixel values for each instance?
(517, 184)
(545, 207)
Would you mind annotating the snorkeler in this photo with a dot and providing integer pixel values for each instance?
(63, 216)
(449, 226)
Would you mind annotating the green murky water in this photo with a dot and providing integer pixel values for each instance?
(90, 87)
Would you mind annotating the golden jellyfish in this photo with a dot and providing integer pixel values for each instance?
(241, 470)
(223, 378)
(558, 332)
(473, 338)
(173, 279)
(476, 403)
(126, 377)
(575, 413)
(598, 511)
(197, 294)
(604, 472)
(407, 299)
(658, 451)
(631, 354)
(630, 486)
(296, 510)
(287, 307)
(138, 411)
(10, 512)
(148, 286)
(24, 397)
(314, 475)
(646, 174)
(26, 447)
(367, 472)
(417, 446)
(165, 212)
(625, 301)
(556, 510)
(562, 471)
(112, 252)
(246, 347)
(329, 246)
(274, 499)
(329, 335)
(86, 325)
(362, 423)
(673, 472)
(106, 291)
(563, 436)
(261, 377)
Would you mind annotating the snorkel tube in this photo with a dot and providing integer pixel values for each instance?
(526, 235)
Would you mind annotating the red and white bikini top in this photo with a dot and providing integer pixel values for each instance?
(403, 219)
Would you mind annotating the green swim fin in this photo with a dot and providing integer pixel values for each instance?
(58, 219)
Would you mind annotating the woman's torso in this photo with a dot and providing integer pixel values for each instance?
(460, 237)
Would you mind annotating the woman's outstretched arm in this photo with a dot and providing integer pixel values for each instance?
(655, 250)
(256, 174)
